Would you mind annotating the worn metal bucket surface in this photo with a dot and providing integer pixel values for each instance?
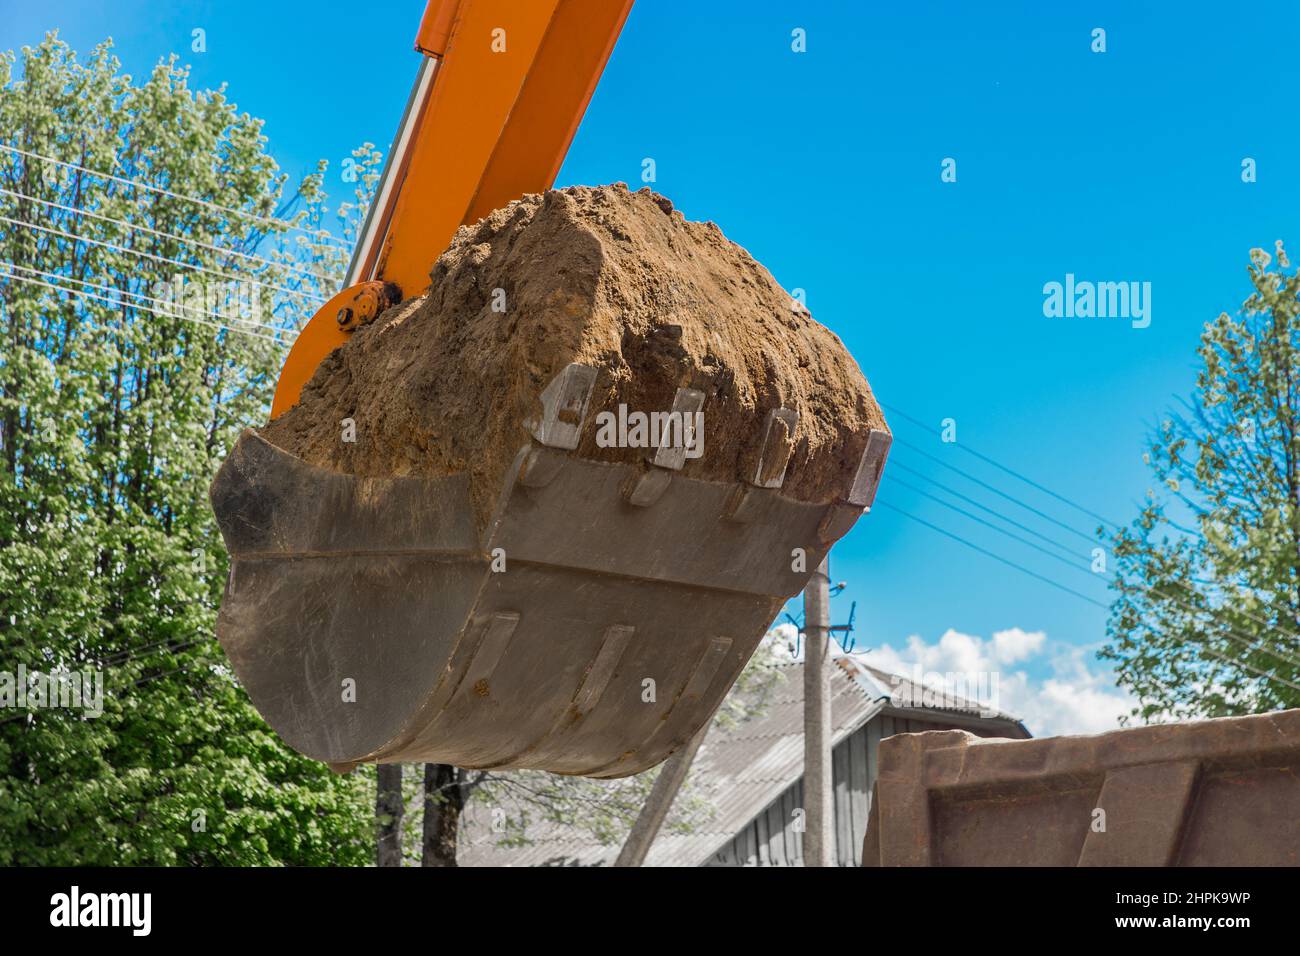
(592, 628)
(1210, 793)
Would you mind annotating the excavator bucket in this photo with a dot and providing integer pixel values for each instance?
(592, 627)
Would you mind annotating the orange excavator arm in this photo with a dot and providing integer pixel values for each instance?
(497, 101)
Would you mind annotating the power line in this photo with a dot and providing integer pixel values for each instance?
(137, 654)
(157, 258)
(995, 557)
(988, 524)
(281, 223)
(1279, 655)
(78, 211)
(893, 463)
(150, 679)
(1270, 605)
(142, 296)
(1268, 676)
(116, 302)
(1056, 584)
(1057, 496)
(997, 491)
(91, 295)
(1001, 467)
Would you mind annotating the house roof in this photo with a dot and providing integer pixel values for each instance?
(740, 770)
(904, 694)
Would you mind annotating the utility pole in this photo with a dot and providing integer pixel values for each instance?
(819, 811)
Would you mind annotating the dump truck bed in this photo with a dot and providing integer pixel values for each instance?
(1209, 793)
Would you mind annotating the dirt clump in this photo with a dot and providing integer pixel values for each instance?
(610, 278)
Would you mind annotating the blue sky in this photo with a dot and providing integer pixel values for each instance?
(1120, 166)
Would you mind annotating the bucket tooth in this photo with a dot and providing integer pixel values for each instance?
(747, 504)
(646, 488)
(842, 515)
(837, 522)
(870, 468)
(751, 500)
(540, 466)
(564, 407)
(778, 445)
(686, 404)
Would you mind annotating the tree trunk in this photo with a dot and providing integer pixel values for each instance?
(388, 815)
(444, 799)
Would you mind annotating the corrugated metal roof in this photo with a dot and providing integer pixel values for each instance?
(906, 694)
(739, 771)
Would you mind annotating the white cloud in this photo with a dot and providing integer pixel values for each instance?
(1078, 697)
(1016, 645)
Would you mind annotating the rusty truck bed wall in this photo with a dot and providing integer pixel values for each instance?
(1211, 793)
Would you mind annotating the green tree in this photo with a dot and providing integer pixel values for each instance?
(1207, 618)
(139, 332)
